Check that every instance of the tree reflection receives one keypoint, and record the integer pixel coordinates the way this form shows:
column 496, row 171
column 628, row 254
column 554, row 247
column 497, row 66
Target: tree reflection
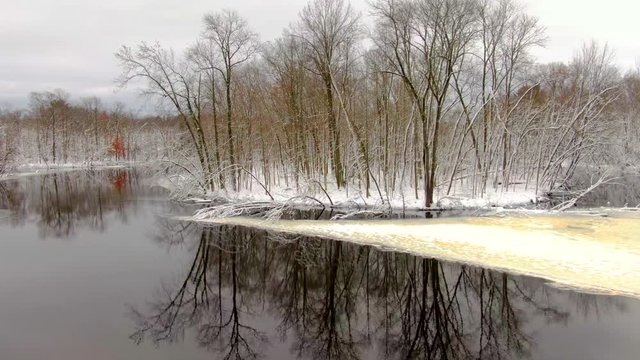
column 333, row 300
column 209, row 301
column 60, row 203
column 119, row 181
column 12, row 200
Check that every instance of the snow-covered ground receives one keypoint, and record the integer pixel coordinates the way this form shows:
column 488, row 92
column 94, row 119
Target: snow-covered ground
column 349, row 198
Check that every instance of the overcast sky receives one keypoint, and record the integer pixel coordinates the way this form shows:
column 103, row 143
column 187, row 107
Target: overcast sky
column 69, row 44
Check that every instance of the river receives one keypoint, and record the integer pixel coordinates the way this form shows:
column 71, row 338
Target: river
column 94, row 265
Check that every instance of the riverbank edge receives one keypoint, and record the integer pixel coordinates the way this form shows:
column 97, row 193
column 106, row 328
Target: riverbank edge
column 310, row 196
column 35, row 169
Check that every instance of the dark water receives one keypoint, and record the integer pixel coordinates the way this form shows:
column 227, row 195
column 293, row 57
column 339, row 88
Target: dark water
column 91, row 269
column 622, row 189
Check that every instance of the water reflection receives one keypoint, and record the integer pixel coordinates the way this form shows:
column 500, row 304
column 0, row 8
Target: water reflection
column 61, row 203
column 247, row 291
column 623, row 190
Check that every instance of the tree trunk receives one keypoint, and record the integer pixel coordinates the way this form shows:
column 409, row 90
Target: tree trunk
column 232, row 159
column 334, row 135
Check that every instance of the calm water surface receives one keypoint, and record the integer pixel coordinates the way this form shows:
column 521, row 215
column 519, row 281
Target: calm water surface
column 91, row 268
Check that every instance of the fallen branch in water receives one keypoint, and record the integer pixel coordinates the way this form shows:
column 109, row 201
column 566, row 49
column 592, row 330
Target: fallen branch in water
column 267, row 209
column 295, row 202
column 358, row 214
column 604, row 179
column 233, row 209
column 323, row 190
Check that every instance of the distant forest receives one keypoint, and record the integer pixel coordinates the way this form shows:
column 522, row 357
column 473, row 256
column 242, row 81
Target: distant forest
column 434, row 98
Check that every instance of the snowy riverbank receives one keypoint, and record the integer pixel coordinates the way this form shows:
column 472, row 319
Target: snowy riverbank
column 314, row 194
column 309, row 194
column 34, row 169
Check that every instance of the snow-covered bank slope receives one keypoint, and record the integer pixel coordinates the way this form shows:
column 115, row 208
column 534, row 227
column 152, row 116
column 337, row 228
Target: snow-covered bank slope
column 356, row 199
column 593, row 254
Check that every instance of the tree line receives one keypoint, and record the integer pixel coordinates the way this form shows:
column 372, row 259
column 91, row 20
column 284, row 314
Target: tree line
column 437, row 96
column 434, row 98
column 57, row 130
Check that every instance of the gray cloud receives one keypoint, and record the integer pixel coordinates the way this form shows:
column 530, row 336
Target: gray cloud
column 69, row 44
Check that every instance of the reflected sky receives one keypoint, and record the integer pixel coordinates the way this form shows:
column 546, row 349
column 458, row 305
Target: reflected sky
column 95, row 270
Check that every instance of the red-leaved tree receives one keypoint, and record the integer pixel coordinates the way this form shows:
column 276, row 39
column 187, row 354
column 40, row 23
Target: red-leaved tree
column 118, row 149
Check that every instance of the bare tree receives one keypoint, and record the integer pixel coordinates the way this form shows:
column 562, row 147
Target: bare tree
column 204, row 55
column 92, row 106
column 425, row 42
column 177, row 82
column 9, row 129
column 237, row 44
column 51, row 110
column 329, row 28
